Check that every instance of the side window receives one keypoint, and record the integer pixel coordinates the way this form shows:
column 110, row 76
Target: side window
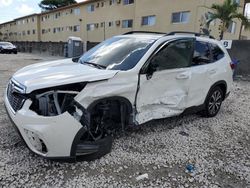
column 217, row 53
column 177, row 54
column 202, row 53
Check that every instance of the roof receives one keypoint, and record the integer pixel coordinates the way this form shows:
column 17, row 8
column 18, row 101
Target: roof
column 69, row 6
column 30, row 15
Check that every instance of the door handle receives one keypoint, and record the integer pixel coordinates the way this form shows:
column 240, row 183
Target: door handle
column 182, row 76
column 212, row 71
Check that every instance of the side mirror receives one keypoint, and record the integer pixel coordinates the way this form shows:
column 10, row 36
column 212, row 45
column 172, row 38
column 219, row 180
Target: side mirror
column 152, row 67
column 75, row 59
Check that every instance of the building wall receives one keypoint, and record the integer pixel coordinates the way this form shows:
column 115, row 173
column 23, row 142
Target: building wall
column 59, row 25
column 107, row 19
column 27, row 29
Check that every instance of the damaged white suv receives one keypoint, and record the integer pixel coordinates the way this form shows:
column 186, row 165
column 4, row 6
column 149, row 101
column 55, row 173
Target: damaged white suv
column 69, row 109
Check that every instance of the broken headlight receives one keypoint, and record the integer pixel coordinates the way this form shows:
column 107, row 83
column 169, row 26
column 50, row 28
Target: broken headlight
column 55, row 100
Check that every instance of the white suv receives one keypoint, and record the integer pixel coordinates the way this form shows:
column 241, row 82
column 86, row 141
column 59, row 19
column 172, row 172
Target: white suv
column 68, row 109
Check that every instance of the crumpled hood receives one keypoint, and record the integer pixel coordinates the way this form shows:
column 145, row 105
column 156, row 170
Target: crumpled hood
column 60, row 72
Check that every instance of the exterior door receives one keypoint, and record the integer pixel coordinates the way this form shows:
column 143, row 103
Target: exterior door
column 164, row 83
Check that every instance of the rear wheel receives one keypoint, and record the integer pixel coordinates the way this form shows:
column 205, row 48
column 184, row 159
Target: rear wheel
column 213, row 102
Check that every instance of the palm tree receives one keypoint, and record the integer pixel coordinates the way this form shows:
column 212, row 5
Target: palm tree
column 226, row 13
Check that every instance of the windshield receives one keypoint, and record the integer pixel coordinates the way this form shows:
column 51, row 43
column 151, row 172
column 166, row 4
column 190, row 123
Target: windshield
column 117, row 53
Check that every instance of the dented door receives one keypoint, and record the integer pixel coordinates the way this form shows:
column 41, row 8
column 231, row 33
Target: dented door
column 165, row 92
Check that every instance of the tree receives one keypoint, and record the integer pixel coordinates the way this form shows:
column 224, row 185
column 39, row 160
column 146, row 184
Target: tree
column 54, row 4
column 226, row 13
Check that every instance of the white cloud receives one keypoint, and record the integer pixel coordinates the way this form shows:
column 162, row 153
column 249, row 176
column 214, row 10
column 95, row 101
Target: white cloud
column 25, row 9
column 5, row 3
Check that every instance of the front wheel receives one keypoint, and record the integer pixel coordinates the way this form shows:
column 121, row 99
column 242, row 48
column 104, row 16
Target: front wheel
column 213, row 102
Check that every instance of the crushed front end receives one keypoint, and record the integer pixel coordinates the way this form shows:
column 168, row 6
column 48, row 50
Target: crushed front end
column 51, row 123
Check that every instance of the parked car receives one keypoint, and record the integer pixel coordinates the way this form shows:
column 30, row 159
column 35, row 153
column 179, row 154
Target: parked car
column 69, row 109
column 7, row 47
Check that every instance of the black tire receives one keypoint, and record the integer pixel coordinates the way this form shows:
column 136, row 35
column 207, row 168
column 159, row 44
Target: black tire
column 213, row 102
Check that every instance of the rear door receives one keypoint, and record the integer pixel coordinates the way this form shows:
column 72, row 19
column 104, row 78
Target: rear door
column 163, row 92
column 206, row 70
column 199, row 74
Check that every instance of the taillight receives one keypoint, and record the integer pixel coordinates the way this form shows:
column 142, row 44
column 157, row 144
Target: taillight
column 232, row 65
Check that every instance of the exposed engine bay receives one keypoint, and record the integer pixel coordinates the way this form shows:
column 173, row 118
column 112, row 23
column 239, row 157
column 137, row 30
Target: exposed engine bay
column 104, row 118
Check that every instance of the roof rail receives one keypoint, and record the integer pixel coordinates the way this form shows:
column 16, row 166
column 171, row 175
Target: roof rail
column 147, row 32
column 186, row 32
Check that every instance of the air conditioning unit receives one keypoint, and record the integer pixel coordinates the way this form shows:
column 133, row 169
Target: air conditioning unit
column 118, row 22
column 118, row 1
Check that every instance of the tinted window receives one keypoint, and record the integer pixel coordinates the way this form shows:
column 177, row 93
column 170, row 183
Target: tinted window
column 118, row 53
column 217, row 53
column 202, row 54
column 175, row 55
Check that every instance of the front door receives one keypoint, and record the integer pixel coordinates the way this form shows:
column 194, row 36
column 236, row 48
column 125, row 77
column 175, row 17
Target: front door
column 164, row 83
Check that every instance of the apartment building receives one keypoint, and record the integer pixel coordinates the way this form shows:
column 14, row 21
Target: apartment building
column 96, row 20
column 26, row 28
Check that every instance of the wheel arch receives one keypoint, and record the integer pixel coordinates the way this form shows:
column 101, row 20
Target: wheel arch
column 223, row 86
column 115, row 98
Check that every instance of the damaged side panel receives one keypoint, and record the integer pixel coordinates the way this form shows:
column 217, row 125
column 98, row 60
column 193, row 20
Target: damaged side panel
column 162, row 96
column 124, row 84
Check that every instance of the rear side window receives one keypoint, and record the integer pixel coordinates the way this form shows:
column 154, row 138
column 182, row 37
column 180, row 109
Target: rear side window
column 217, row 53
column 202, row 53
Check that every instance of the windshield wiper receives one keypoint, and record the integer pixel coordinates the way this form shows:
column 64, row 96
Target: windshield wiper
column 94, row 64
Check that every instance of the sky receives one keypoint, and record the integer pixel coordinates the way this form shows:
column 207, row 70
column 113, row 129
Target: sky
column 11, row 9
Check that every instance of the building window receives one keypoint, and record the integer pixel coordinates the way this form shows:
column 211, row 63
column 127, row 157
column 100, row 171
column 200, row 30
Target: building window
column 180, row 17
column 56, row 15
column 102, row 4
column 23, row 33
column 77, row 11
column 56, row 30
column 232, row 28
column 127, row 2
column 148, row 20
column 127, row 23
column 28, row 32
column 33, row 19
column 69, row 28
column 91, row 8
column 33, row 31
column 111, row 2
column 23, row 21
column 90, row 27
column 111, row 24
column 76, row 28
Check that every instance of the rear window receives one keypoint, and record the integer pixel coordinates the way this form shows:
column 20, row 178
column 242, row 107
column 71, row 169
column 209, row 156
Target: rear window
column 205, row 53
column 217, row 53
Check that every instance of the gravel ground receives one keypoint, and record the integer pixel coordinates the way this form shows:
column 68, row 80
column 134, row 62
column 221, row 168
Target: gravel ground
column 219, row 149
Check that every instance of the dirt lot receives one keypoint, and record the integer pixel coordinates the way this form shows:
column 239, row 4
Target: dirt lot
column 219, row 149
